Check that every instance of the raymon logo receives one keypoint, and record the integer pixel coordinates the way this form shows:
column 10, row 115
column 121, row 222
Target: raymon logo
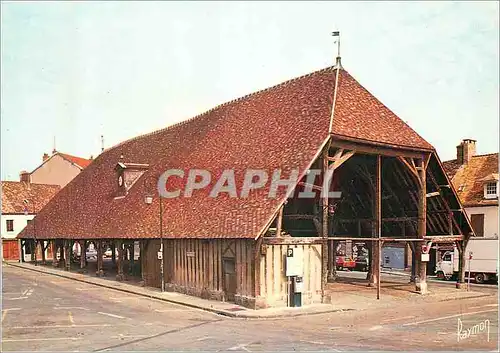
column 254, row 179
column 480, row 327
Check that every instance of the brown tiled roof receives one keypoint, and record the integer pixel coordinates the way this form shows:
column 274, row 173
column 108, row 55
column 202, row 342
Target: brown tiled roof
column 469, row 179
column 81, row 162
column 15, row 192
column 281, row 127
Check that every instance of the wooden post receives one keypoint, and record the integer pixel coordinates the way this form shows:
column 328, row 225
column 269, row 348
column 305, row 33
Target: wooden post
column 42, row 244
column 324, row 232
column 332, row 261
column 113, row 252
column 369, row 274
column 132, row 255
column 54, row 252
column 99, row 271
column 83, row 254
column 461, row 264
column 379, row 255
column 279, row 222
column 67, row 255
column 142, row 245
column 32, row 245
column 119, row 259
column 378, row 221
column 421, row 283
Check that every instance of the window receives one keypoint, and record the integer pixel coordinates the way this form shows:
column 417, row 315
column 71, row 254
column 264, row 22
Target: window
column 490, row 190
column 477, row 221
column 28, row 221
column 447, row 257
column 10, row 225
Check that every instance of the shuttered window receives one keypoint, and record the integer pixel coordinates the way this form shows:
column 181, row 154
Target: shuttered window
column 477, row 221
column 10, row 225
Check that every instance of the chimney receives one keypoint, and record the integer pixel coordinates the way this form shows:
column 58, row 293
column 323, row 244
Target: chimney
column 45, row 157
column 466, row 150
column 25, row 176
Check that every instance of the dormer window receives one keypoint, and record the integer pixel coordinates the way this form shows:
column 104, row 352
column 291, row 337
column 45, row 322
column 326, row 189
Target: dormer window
column 491, row 190
column 127, row 175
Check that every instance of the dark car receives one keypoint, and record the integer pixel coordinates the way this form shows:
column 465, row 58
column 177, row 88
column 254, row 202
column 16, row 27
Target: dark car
column 361, row 263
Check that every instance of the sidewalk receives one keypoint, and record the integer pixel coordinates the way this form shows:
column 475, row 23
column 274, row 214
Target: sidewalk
column 221, row 308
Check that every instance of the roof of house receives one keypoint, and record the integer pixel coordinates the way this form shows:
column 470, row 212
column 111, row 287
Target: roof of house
column 15, row 192
column 469, row 179
column 81, row 162
column 282, row 127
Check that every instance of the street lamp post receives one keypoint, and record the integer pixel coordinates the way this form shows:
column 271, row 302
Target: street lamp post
column 161, row 246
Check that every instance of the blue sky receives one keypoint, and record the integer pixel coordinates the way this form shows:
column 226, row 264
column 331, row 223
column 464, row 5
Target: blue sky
column 120, row 69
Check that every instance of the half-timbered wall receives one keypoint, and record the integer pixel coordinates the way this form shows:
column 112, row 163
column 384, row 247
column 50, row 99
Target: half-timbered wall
column 218, row 269
column 274, row 285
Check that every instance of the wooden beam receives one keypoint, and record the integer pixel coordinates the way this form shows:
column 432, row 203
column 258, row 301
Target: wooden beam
column 338, row 161
column 324, row 230
column 421, row 284
column 279, row 222
column 299, row 216
column 411, row 167
column 444, row 238
column 292, row 240
column 362, row 148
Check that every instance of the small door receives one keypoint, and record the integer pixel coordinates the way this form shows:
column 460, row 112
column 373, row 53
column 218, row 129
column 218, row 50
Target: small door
column 229, row 273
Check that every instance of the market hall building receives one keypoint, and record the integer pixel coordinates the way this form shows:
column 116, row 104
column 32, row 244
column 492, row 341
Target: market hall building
column 392, row 190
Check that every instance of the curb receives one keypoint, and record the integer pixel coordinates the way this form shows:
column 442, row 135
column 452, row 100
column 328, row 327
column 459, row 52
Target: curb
column 226, row 313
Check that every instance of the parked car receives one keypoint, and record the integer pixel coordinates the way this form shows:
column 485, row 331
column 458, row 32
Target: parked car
column 345, row 262
column 108, row 252
column 91, row 255
column 361, row 263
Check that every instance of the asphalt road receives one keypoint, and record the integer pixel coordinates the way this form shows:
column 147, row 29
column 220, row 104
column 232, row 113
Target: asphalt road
column 47, row 313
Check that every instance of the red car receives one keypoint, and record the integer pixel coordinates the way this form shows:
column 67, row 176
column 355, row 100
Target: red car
column 344, row 262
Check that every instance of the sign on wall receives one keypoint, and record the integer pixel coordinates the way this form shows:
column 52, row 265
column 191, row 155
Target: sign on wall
column 294, row 262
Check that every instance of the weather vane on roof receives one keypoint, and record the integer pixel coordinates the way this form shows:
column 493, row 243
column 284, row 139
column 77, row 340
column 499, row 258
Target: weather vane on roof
column 336, row 34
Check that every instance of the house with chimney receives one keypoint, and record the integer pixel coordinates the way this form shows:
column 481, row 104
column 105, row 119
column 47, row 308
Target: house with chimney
column 475, row 178
column 389, row 187
column 57, row 169
column 20, row 202
column 22, row 199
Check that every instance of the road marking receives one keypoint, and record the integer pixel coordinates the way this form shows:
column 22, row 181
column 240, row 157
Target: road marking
column 376, row 327
column 491, row 305
column 16, row 298
column 4, row 314
column 75, row 326
column 26, row 291
column 44, row 339
column 69, row 307
column 448, row 317
column 70, row 317
column 399, row 318
column 203, row 338
column 30, row 292
column 474, row 307
column 121, row 335
column 312, row 342
column 112, row 315
column 240, row 346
